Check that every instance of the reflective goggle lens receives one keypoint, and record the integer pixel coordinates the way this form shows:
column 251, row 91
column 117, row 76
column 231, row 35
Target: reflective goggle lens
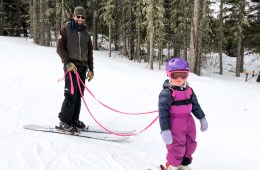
column 175, row 75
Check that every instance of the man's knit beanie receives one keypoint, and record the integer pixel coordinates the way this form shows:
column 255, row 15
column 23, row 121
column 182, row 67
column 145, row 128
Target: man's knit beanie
column 79, row 10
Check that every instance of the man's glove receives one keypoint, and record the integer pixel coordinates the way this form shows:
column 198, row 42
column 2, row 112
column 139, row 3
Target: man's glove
column 71, row 67
column 167, row 136
column 203, row 124
column 90, row 75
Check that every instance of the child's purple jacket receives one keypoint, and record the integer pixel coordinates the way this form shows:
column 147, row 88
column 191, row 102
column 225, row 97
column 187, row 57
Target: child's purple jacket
column 164, row 105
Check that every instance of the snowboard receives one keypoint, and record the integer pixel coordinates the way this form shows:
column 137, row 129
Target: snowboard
column 91, row 133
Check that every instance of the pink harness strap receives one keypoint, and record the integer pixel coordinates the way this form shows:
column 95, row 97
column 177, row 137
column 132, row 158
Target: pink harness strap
column 173, row 91
column 111, row 107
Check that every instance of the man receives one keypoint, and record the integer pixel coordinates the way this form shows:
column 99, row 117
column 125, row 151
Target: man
column 75, row 49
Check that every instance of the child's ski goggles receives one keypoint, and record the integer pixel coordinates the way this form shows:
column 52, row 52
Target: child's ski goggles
column 177, row 74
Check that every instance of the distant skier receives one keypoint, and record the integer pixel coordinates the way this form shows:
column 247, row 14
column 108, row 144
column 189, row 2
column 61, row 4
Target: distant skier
column 75, row 49
column 176, row 102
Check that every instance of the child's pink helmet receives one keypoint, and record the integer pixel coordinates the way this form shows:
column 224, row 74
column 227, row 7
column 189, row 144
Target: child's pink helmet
column 177, row 64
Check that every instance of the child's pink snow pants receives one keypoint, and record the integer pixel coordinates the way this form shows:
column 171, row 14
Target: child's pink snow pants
column 183, row 131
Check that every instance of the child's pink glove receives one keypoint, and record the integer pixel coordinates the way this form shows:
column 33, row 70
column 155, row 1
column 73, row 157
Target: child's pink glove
column 203, row 124
column 167, row 136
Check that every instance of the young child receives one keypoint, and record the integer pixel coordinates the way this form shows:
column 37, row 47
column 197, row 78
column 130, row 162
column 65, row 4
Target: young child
column 176, row 102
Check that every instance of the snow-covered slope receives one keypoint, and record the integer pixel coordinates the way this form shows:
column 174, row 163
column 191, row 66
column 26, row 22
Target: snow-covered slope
column 30, row 93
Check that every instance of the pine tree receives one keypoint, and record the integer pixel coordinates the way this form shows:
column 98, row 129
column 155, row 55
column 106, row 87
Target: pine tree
column 252, row 29
column 107, row 16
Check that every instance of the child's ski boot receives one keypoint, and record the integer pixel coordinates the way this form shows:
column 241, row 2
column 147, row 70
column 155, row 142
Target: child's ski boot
column 168, row 167
column 184, row 167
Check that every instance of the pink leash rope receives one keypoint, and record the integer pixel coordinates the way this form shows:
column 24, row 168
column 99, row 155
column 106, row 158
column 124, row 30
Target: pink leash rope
column 106, row 129
column 112, row 108
column 118, row 134
column 71, row 82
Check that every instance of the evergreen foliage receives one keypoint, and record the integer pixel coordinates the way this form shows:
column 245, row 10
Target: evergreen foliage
column 145, row 30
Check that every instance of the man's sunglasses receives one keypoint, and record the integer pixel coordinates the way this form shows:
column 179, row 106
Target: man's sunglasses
column 181, row 74
column 79, row 16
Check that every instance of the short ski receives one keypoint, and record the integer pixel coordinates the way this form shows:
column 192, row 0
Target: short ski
column 88, row 129
column 92, row 135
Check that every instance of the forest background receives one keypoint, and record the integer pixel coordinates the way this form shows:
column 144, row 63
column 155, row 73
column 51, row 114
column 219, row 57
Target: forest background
column 146, row 30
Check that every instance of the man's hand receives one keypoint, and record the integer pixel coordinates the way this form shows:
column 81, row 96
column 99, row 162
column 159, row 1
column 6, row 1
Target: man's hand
column 71, row 67
column 90, row 75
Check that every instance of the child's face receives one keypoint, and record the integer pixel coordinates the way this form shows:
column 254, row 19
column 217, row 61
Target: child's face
column 179, row 81
column 178, row 78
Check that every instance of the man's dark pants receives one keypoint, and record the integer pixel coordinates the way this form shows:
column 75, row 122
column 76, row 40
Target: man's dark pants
column 70, row 109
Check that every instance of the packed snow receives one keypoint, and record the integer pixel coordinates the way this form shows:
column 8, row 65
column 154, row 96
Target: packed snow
column 31, row 94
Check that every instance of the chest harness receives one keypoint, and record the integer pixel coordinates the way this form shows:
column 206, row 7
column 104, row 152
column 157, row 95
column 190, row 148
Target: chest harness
column 180, row 102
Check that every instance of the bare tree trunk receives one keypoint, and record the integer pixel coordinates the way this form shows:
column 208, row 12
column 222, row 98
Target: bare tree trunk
column 187, row 30
column 238, row 62
column 160, row 51
column 240, row 34
column 35, row 29
column 1, row 17
column 19, row 19
column 41, row 23
column 116, row 26
column 62, row 13
column 151, row 49
column 131, row 30
column 193, row 35
column 138, row 46
column 138, row 29
column 186, row 39
column 110, row 38
column 148, row 50
column 151, row 36
column 242, row 57
column 94, row 29
column 220, row 37
column 176, row 52
column 201, row 26
column 169, row 51
column 124, row 34
column 57, row 20
column 124, row 44
column 49, row 40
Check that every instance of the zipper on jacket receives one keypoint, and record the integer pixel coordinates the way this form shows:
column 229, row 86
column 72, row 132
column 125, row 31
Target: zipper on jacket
column 79, row 46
